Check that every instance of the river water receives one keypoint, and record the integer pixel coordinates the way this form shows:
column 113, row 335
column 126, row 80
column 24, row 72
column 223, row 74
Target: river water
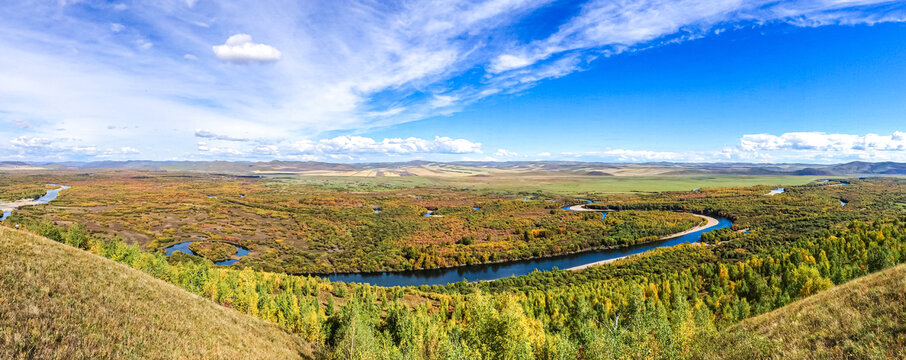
column 48, row 197
column 512, row 268
column 184, row 247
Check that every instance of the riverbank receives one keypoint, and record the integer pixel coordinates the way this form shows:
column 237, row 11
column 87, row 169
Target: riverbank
column 707, row 222
column 7, row 208
column 507, row 268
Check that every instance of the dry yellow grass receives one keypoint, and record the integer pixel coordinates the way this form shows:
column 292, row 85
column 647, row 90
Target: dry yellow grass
column 58, row 302
column 862, row 319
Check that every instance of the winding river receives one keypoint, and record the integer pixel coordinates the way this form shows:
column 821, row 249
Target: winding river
column 484, row 272
column 481, row 272
column 455, row 274
column 46, row 198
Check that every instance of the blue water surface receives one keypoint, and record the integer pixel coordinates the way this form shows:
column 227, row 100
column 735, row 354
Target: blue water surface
column 512, row 268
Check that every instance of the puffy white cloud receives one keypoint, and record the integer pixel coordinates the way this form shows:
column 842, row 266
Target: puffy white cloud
column 346, row 145
column 239, row 48
column 61, row 148
column 820, row 141
column 26, row 141
column 505, row 153
column 117, row 27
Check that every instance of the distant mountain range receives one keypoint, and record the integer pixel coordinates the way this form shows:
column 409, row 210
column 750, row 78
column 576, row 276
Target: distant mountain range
column 475, row 168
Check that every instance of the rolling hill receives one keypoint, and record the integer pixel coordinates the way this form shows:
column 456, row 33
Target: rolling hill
column 62, row 302
column 861, row 319
column 474, row 168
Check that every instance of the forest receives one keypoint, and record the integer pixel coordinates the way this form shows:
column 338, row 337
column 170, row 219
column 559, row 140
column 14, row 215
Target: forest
column 306, row 228
column 673, row 302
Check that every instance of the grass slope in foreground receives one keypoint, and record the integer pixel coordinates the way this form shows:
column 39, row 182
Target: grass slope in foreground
column 864, row 318
column 61, row 302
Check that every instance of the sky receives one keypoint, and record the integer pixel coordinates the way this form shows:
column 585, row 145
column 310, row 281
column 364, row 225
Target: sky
column 811, row 81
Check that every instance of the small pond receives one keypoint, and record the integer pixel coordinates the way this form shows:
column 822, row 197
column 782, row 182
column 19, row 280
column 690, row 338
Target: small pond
column 184, row 247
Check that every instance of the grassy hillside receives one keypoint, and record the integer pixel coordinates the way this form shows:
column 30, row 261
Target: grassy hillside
column 61, row 302
column 863, row 319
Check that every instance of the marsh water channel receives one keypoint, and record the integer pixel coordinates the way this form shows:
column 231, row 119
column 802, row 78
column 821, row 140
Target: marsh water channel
column 184, row 247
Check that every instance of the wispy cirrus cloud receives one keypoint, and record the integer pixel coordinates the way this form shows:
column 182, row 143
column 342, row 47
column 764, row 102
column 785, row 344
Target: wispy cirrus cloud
column 356, row 145
column 206, row 134
column 289, row 70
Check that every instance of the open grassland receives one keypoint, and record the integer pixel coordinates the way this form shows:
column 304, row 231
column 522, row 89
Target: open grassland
column 61, row 302
column 862, row 319
column 565, row 184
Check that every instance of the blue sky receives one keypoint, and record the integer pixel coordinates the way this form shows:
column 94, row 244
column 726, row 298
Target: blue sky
column 350, row 81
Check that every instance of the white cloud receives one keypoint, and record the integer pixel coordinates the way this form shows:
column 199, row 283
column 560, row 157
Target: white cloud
column 26, row 141
column 22, row 124
column 117, row 27
column 484, row 158
column 239, row 48
column 819, row 141
column 440, row 101
column 344, row 66
column 215, row 150
column 646, row 155
column 617, row 26
column 211, row 135
column 37, row 148
column 505, row 153
column 144, row 44
column 508, row 62
column 270, row 150
column 544, row 154
column 347, row 145
column 389, row 112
